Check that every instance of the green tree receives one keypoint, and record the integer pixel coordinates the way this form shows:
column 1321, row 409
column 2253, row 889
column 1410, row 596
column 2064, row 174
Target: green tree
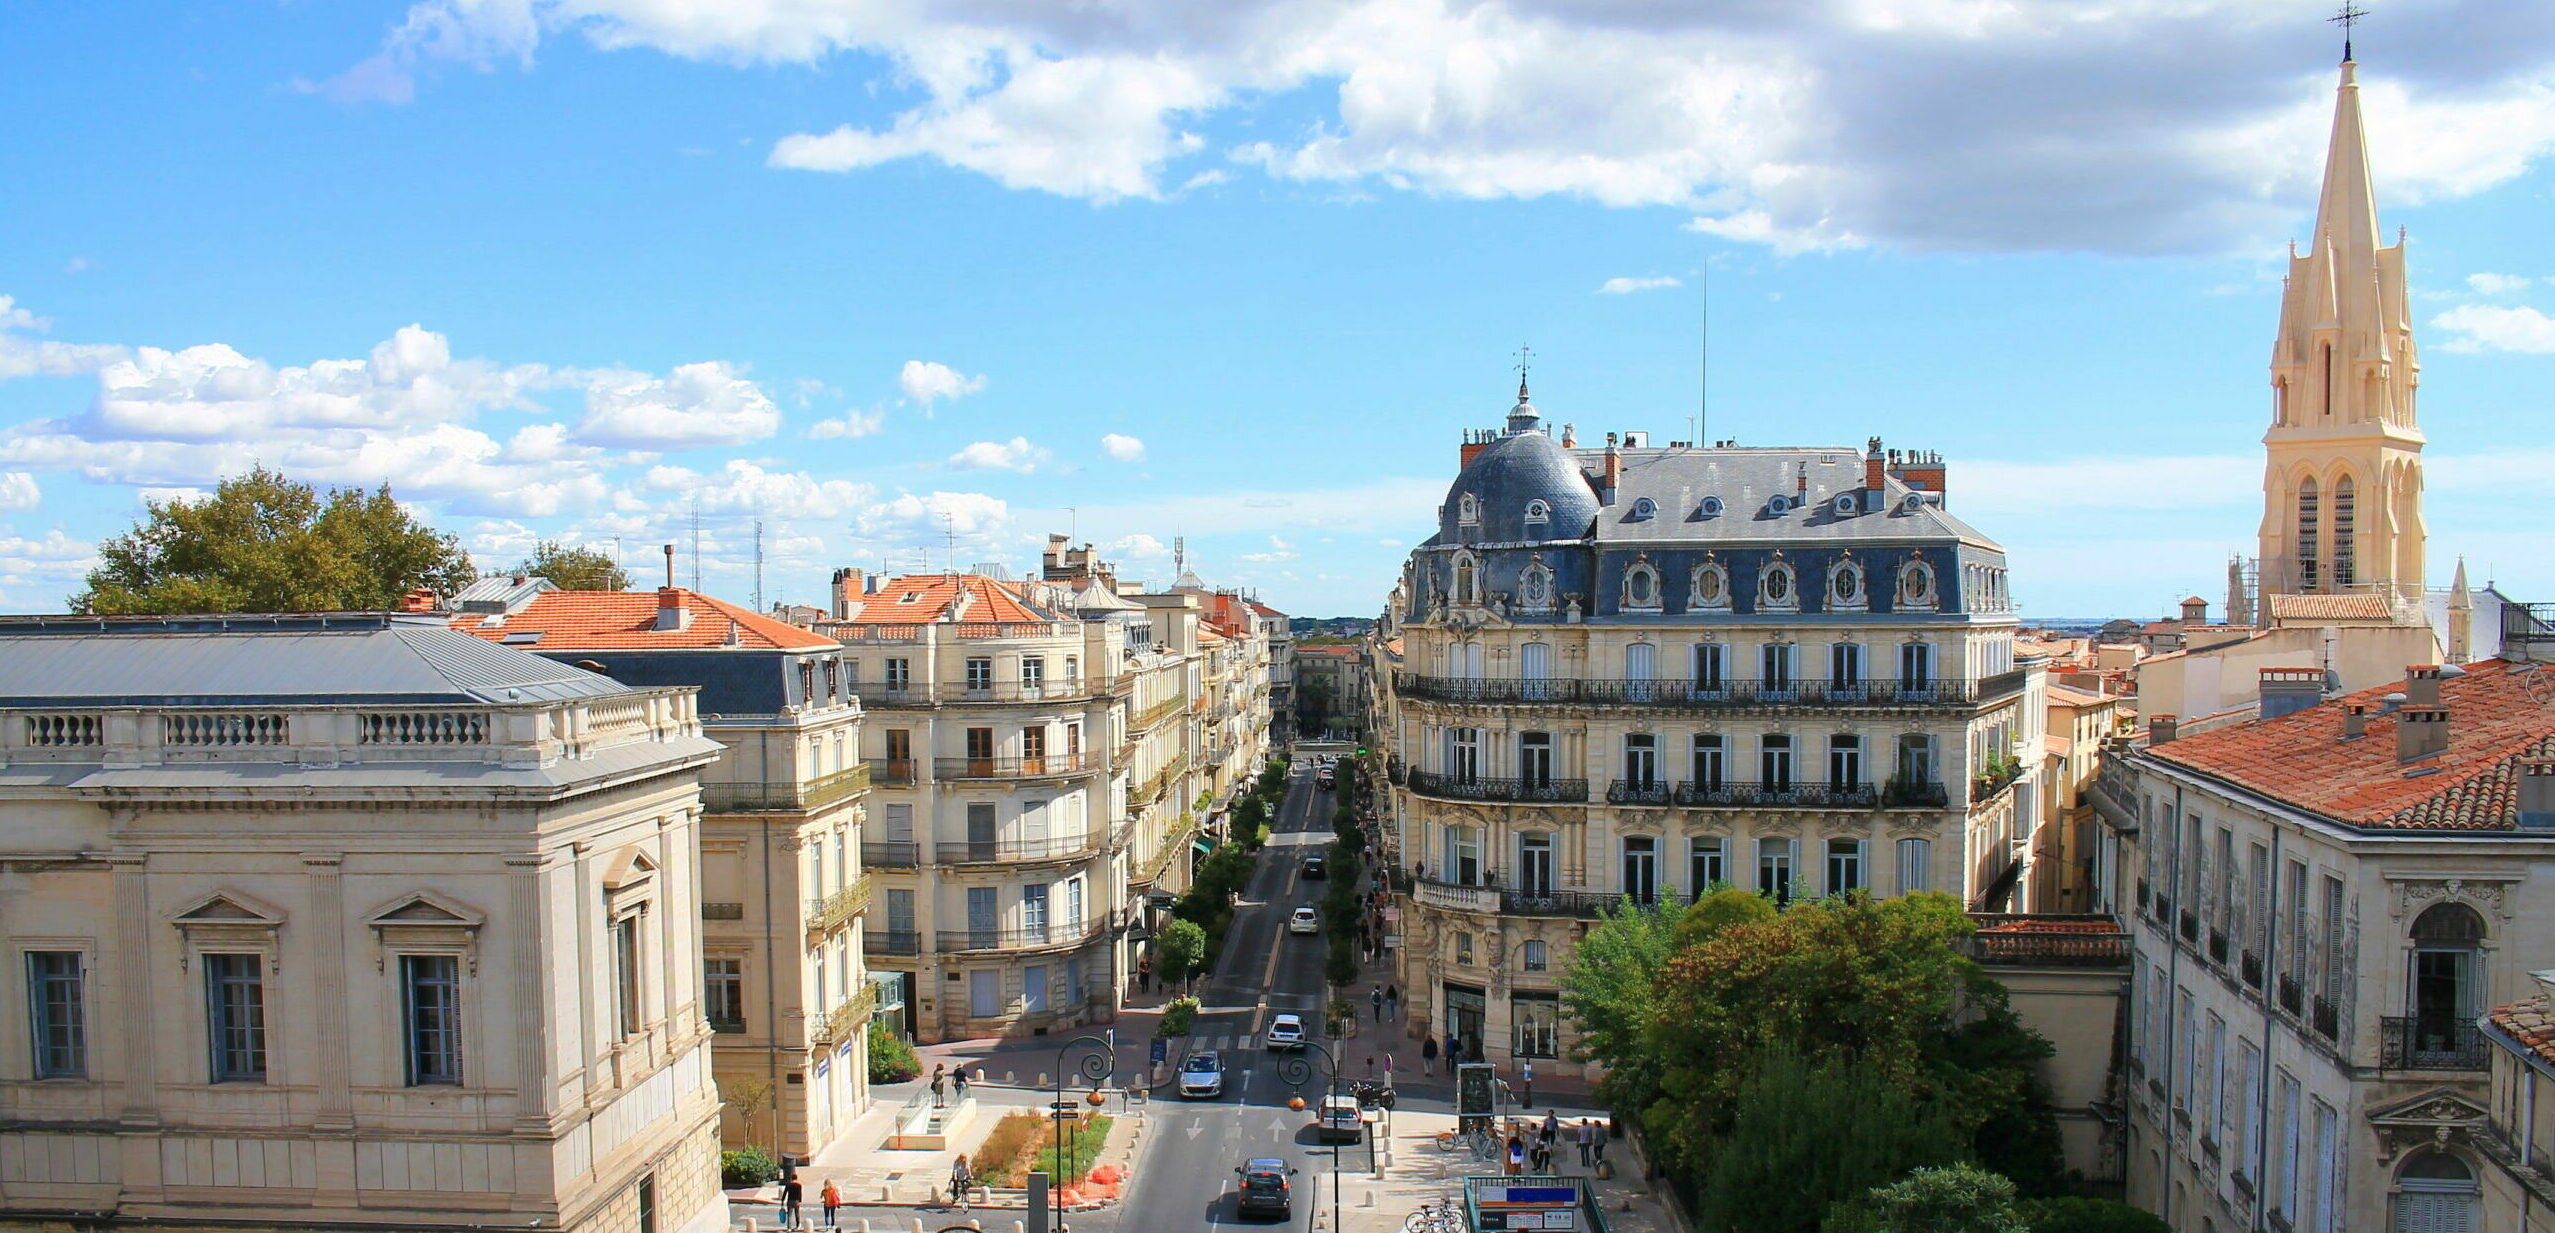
column 574, row 568
column 1961, row 1198
column 1183, row 947
column 1610, row 989
column 1810, row 1134
column 263, row 543
column 2072, row 1215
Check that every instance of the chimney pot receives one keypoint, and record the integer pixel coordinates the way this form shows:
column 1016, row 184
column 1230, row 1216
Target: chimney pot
column 669, row 565
column 2161, row 729
column 2355, row 723
column 2421, row 731
column 2422, row 685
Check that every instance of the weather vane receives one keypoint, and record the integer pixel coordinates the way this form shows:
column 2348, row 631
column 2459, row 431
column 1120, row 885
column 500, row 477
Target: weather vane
column 2349, row 16
column 1524, row 354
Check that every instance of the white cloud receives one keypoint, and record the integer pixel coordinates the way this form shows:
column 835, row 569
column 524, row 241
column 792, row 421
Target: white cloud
column 1278, row 550
column 18, row 490
column 928, row 382
column 709, row 403
column 150, row 495
column 13, row 317
column 2497, row 284
column 909, row 520
column 1122, row 447
column 851, row 424
column 2485, row 327
column 1016, row 454
column 2024, row 125
column 1138, row 547
column 21, row 356
column 747, row 488
column 1626, row 286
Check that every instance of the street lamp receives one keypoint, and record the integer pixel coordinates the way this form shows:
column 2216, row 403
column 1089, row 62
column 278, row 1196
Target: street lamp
column 1295, row 1070
column 1098, row 1063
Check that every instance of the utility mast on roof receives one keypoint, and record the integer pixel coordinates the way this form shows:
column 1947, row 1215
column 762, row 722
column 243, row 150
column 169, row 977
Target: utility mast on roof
column 758, row 565
column 696, row 543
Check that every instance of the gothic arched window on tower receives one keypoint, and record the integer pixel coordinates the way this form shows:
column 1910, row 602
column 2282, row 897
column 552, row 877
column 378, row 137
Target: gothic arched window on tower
column 2310, row 508
column 2345, row 498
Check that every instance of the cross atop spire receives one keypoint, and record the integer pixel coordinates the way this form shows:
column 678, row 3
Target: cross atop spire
column 1524, row 355
column 2349, row 16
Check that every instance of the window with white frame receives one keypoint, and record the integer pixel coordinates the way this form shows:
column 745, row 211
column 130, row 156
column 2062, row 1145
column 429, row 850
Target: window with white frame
column 1774, row 762
column 1533, row 955
column 1845, row 866
column 1707, row 864
column 1774, row 868
column 1774, row 666
column 1710, row 768
column 1845, row 761
column 1641, row 868
column 1916, row 862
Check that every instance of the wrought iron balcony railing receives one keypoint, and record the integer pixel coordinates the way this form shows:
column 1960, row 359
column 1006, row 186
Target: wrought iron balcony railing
column 1047, row 766
column 891, row 942
column 831, row 910
column 2421, row 1042
column 846, row 1018
column 1779, row 795
column 1686, row 694
column 786, row 794
column 1034, row 937
column 1486, row 788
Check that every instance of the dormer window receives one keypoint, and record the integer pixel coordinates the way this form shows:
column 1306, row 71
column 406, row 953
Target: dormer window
column 1467, row 588
column 1845, row 583
column 1537, row 511
column 1916, row 584
column 1709, row 586
column 1777, row 588
column 1709, row 507
column 1535, row 587
column 1468, row 510
column 1644, row 509
column 1641, row 586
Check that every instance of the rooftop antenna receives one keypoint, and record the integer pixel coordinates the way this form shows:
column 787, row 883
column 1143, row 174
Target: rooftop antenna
column 696, row 543
column 758, row 565
column 2349, row 16
column 949, row 535
column 1073, row 520
column 1703, row 350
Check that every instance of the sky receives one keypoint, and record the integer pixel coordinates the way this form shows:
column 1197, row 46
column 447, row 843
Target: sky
column 913, row 282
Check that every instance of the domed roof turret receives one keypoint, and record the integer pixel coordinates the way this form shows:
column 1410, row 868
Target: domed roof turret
column 1504, row 481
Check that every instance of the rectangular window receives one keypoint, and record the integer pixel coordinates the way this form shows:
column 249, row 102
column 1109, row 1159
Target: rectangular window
column 1464, row 753
column 900, row 823
column 2337, row 968
column 1033, row 913
column 1774, row 666
column 1711, row 670
column 625, row 970
column 2249, row 1083
column 1774, row 762
column 1033, row 675
column 983, row 832
column 1916, row 860
column 2297, row 918
column 2214, row 1113
column 984, row 993
column 1916, row 665
column 2284, row 1155
column 58, row 1007
column 235, row 1009
column 1641, row 760
column 723, row 991
column 1845, row 865
column 980, row 674
column 1845, row 761
column 900, row 753
column 984, row 919
column 1915, row 767
column 1706, row 865
column 1033, row 751
column 647, row 1204
column 1073, row 902
column 2223, row 887
column 1535, row 759
column 980, row 751
column 2258, row 903
column 2328, row 1171
column 900, row 675
column 432, row 992
column 1535, row 863
column 900, row 913
column 1641, row 868
column 1774, row 868
column 1711, row 767
column 1033, row 989
column 1845, row 664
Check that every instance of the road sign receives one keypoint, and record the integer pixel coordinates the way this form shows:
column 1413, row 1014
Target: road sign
column 1161, row 1050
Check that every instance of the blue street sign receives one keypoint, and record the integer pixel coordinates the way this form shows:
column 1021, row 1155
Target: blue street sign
column 1161, row 1050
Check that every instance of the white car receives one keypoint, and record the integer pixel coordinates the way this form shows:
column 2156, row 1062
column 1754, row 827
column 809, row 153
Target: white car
column 1303, row 921
column 1286, row 1032
column 1339, row 1120
column 1202, row 1076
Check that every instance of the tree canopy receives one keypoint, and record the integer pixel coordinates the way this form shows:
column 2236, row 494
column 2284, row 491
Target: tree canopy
column 265, row 543
column 574, row 568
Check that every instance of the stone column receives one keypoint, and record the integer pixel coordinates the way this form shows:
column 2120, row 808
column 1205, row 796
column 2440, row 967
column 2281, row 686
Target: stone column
column 334, row 1106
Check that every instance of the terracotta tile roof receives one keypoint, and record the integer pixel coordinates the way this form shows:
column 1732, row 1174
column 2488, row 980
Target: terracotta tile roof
column 916, row 599
column 2073, row 696
column 2301, row 759
column 2057, row 746
column 626, row 620
column 2330, row 608
column 2530, row 1024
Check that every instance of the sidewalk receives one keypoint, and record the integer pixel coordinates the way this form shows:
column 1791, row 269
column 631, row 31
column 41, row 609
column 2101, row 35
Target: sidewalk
column 1417, row 1171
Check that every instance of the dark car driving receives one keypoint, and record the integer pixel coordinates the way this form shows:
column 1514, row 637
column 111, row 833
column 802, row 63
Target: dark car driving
column 1316, row 867
column 1263, row 1189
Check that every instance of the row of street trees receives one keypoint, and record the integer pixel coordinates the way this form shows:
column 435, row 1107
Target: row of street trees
column 1787, row 1062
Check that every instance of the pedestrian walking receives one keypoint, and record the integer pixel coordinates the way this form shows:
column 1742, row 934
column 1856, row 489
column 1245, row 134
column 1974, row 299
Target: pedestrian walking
column 1525, row 1083
column 832, row 1197
column 961, row 1179
column 1454, row 1052
column 960, row 1077
column 1516, row 1156
column 1392, row 1001
column 1551, row 1129
column 940, row 1080
column 1428, row 1055
column 792, row 1194
column 1587, row 1143
column 1376, row 996
column 1598, row 1133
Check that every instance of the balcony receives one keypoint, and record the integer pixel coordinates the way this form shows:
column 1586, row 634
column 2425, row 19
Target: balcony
column 1985, row 788
column 2326, row 1017
column 2048, row 940
column 2421, row 1043
column 2249, row 966
column 789, row 795
column 1780, row 795
column 891, row 854
column 846, row 1018
column 2218, row 947
column 1019, row 851
column 1688, row 695
column 1480, row 788
column 1035, row 937
column 1157, row 712
column 2292, row 998
column 2190, row 927
column 891, row 942
column 1903, row 794
column 1638, row 792
column 718, row 1024
column 999, row 693
column 1490, row 899
column 825, row 913
column 896, row 771
column 1049, row 766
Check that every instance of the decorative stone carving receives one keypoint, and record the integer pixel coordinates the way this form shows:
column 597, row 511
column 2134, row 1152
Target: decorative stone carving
column 2411, row 895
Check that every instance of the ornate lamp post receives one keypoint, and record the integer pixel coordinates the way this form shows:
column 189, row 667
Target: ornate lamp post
column 1097, row 1063
column 1295, row 1070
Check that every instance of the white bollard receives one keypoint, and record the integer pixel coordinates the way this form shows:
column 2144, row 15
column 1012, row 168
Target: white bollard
column 887, row 1192
column 1006, row 1076
column 752, row 1225
column 918, row 1225
column 1367, row 1199
column 1018, row 1227
column 864, row 1224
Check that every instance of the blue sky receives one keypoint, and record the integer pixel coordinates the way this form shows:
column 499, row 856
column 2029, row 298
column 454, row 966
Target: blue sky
column 878, row 270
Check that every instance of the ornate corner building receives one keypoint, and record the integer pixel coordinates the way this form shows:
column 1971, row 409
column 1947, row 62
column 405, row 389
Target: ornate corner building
column 1638, row 671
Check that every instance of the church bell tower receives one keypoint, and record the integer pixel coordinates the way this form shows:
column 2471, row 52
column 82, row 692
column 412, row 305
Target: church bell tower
column 2342, row 482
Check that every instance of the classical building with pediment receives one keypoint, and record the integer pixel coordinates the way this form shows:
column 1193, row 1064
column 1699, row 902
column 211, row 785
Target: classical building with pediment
column 346, row 922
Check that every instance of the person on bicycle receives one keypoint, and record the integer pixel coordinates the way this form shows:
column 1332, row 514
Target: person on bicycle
column 961, row 1180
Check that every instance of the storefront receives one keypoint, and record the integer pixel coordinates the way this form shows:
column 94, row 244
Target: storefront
column 1466, row 1010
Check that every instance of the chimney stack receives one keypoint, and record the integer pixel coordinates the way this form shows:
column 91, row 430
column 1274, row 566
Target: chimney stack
column 2537, row 796
column 2421, row 731
column 2355, row 722
column 1614, row 468
column 847, row 591
column 2161, row 729
column 670, row 612
column 2422, row 685
column 1874, row 472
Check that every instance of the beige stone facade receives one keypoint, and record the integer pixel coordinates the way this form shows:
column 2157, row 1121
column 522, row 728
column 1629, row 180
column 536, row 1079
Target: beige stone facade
column 347, row 922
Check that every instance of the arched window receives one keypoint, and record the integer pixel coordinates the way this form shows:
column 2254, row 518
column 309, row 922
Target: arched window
column 1845, row 582
column 1776, row 585
column 1538, row 512
column 2345, row 497
column 1535, row 587
column 2309, row 507
column 1708, row 586
column 1467, row 583
column 2448, row 978
column 1468, row 510
column 2435, row 1191
column 1641, row 586
column 1916, row 585
column 1644, row 509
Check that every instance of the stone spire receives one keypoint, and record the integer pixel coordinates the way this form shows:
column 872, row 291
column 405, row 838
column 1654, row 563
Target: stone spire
column 2461, row 618
column 2342, row 482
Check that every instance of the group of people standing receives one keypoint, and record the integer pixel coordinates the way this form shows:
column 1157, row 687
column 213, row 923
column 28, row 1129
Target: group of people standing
column 1538, row 1154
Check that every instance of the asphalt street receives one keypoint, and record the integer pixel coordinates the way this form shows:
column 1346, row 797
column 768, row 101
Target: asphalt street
column 1184, row 1176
